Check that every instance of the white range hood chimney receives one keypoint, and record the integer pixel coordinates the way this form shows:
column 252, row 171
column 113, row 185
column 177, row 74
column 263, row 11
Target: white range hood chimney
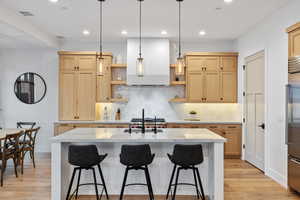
column 156, row 54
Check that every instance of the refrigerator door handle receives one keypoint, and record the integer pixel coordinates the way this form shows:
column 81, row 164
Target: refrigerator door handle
column 287, row 114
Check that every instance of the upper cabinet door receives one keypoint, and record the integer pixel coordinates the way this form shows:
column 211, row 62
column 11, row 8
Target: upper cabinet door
column 68, row 63
column 212, row 63
column 294, row 43
column 228, row 87
column 212, row 87
column 67, row 96
column 86, row 95
column 195, row 87
column 228, row 63
column 195, row 63
column 86, row 63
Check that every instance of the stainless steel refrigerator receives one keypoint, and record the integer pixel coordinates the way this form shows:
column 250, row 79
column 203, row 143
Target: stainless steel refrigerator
column 293, row 135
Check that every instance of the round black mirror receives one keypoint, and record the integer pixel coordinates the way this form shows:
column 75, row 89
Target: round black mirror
column 30, row 88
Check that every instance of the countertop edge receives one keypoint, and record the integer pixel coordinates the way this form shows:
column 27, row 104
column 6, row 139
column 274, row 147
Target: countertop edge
column 168, row 122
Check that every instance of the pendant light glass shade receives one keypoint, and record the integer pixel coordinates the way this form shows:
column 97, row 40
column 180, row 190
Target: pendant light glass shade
column 180, row 65
column 140, row 67
column 100, row 66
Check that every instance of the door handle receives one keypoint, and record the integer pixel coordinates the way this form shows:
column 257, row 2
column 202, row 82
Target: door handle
column 263, row 126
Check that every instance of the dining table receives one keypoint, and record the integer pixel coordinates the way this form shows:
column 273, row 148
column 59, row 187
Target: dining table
column 9, row 131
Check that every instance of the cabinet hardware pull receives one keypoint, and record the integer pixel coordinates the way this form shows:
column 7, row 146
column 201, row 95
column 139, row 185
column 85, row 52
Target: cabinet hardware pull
column 231, row 126
column 221, row 98
column 212, row 127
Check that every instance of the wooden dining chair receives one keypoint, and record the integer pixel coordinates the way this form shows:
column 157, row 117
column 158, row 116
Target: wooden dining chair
column 29, row 125
column 27, row 144
column 9, row 150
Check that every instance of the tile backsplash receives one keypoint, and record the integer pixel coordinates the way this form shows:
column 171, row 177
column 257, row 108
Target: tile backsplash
column 155, row 101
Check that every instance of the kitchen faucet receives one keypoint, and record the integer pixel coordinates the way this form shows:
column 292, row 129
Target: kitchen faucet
column 143, row 121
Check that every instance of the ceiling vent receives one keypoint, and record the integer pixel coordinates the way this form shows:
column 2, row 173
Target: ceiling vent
column 26, row 13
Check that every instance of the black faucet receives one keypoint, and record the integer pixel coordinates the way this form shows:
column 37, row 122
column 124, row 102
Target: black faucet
column 143, row 121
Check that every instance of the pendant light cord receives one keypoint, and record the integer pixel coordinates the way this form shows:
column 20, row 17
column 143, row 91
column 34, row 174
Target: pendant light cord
column 179, row 40
column 101, row 26
column 140, row 49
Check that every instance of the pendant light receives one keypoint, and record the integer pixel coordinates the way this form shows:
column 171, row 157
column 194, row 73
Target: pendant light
column 100, row 70
column 139, row 63
column 179, row 70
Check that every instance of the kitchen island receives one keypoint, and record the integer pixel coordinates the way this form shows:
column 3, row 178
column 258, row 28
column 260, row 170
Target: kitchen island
column 110, row 140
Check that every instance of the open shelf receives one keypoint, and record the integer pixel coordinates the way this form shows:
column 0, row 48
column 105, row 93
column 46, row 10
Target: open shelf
column 119, row 65
column 114, row 100
column 118, row 82
column 178, row 83
column 178, row 100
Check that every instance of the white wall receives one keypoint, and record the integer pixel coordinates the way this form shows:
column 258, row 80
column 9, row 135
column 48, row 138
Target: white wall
column 270, row 36
column 14, row 62
column 44, row 62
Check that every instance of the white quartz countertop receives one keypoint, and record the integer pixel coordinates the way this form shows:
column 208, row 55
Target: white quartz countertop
column 117, row 135
column 167, row 121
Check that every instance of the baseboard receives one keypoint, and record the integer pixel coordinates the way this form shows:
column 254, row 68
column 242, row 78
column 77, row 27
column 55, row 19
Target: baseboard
column 282, row 180
column 138, row 197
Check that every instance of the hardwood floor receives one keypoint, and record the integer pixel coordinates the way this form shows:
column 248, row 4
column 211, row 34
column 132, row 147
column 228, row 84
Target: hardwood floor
column 242, row 182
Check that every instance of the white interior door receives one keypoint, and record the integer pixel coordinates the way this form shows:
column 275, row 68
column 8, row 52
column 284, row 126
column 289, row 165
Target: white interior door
column 255, row 110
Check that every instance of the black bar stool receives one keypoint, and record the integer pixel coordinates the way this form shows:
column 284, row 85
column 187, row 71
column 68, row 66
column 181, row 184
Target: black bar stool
column 186, row 157
column 85, row 157
column 137, row 157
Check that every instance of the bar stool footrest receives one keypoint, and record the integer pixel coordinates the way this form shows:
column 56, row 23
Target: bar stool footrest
column 136, row 184
column 86, row 184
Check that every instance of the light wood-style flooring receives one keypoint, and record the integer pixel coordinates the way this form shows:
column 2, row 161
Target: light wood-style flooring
column 242, row 182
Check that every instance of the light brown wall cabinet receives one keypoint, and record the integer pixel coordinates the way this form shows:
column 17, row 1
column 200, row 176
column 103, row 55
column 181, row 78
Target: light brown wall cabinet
column 294, row 40
column 77, row 87
column 211, row 77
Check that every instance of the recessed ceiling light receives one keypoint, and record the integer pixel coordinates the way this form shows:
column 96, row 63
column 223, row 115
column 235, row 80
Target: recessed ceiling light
column 53, row 1
column 228, row 1
column 124, row 32
column 202, row 33
column 86, row 32
column 164, row 32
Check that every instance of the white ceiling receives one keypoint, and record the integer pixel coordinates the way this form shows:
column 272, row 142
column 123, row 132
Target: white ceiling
column 11, row 37
column 69, row 17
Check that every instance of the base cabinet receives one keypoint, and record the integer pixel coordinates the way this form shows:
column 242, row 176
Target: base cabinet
column 232, row 132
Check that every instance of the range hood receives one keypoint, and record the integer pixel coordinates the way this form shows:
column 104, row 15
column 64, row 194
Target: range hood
column 156, row 54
